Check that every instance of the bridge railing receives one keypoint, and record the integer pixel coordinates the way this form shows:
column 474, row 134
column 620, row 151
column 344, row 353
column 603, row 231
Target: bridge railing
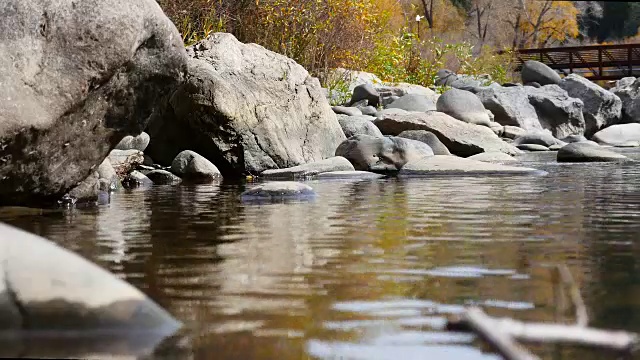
column 598, row 62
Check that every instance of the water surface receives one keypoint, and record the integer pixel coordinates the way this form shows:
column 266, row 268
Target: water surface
column 370, row 269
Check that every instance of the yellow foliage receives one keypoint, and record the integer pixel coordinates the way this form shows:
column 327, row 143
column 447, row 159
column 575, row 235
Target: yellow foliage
column 548, row 21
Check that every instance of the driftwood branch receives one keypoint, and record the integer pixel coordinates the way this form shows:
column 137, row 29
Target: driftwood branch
column 502, row 342
column 551, row 333
column 501, row 334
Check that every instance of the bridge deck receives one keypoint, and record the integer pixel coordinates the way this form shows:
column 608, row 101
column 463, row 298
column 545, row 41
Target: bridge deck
column 595, row 62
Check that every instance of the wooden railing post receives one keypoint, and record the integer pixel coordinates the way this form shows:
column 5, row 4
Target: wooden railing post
column 630, row 60
column 600, row 62
column 570, row 62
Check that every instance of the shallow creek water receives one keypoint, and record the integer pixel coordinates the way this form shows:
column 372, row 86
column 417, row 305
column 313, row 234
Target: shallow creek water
column 370, row 269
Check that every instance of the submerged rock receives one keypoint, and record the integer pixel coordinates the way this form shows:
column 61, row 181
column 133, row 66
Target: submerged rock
column 453, row 165
column 387, row 154
column 76, row 77
column 44, row 287
column 278, row 191
column 163, row 177
column 336, row 163
column 586, row 152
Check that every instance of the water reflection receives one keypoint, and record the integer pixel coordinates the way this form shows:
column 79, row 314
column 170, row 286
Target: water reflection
column 370, row 269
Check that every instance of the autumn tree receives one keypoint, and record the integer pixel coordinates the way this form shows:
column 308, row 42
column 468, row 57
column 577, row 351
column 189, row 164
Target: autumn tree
column 540, row 23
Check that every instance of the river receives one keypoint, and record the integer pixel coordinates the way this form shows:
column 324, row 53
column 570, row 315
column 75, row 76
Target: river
column 369, row 269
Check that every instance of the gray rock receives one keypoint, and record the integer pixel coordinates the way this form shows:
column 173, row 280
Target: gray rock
column 368, row 110
column 346, row 110
column 354, row 125
column 452, row 165
column 401, row 89
column 192, row 166
column 445, row 77
column 87, row 190
column 463, row 105
column 585, row 152
column 247, row 109
column 44, row 287
column 510, row 106
column 557, row 112
column 75, row 80
column 460, row 138
column 136, row 179
column 163, row 177
column 555, row 147
column 533, row 84
column 365, row 92
column 380, row 114
column 123, row 161
column 138, row 142
column 496, row 128
column 107, row 173
column 618, row 135
column 535, row 71
column 532, row 147
column 601, row 107
column 354, row 78
column 629, row 93
column 336, row 163
column 539, row 138
column 413, row 102
column 493, row 157
column 148, row 161
column 343, row 175
column 388, row 154
column 512, row 132
column 428, row 138
column 386, row 101
column 574, row 138
column 276, row 191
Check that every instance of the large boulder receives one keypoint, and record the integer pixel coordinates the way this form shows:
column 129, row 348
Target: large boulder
column 428, row 138
column 460, row 138
column 463, row 105
column 336, row 163
column 387, row 154
column 246, row 109
column 45, row 288
column 77, row 76
column 619, row 135
column 628, row 90
column 535, row 71
column 601, row 107
column 533, row 109
column 439, row 165
column 586, row 152
column 557, row 111
column 402, row 89
column 413, row 102
column 510, row 106
column 354, row 125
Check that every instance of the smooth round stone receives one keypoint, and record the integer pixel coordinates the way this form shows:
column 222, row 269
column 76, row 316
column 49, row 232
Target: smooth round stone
column 193, row 166
column 555, row 147
column 492, row 157
column 278, row 191
column 139, row 142
column 345, row 110
column 365, row 175
column 532, row 147
column 585, row 152
column 452, row 165
column 163, row 177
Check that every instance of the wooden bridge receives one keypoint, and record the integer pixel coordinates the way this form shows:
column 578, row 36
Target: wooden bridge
column 595, row 62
